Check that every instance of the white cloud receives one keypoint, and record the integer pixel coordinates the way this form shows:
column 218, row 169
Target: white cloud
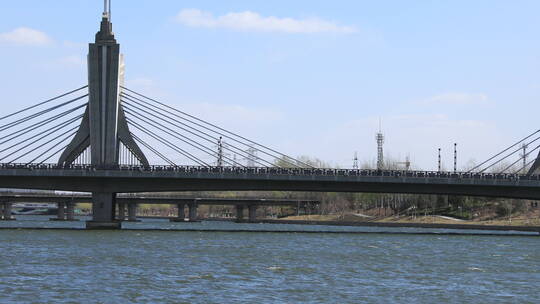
column 456, row 99
column 25, row 36
column 251, row 21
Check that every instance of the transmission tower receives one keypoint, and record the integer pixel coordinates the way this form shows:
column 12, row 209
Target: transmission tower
column 379, row 137
column 355, row 161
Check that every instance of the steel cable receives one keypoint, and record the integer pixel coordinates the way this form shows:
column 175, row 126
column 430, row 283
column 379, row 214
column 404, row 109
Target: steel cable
column 53, row 130
column 480, row 165
column 212, row 140
column 30, row 117
column 221, row 129
column 219, row 133
column 30, row 128
column 54, row 145
column 508, row 155
column 42, row 103
column 168, row 130
column 153, row 150
column 57, row 151
column 170, row 145
column 502, row 171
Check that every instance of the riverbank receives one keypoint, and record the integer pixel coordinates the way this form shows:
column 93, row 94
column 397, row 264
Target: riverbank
column 525, row 219
column 405, row 225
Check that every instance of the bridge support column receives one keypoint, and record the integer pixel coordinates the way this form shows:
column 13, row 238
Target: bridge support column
column 181, row 214
column 252, row 211
column 60, row 212
column 103, row 205
column 239, row 213
column 121, row 211
column 6, row 212
column 70, row 212
column 132, row 212
column 193, row 212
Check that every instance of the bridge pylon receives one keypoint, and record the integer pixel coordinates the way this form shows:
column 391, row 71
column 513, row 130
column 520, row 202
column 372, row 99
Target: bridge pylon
column 104, row 125
column 535, row 167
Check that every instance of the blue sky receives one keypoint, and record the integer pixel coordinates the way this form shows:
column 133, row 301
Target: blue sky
column 306, row 77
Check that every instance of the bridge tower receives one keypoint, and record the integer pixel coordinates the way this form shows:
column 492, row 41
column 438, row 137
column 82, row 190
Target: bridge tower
column 104, row 125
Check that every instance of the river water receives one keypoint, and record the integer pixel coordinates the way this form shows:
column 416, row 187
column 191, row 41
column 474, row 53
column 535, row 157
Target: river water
column 141, row 266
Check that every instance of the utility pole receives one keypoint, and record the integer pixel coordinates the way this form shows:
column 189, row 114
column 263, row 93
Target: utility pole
column 220, row 152
column 439, row 167
column 455, row 157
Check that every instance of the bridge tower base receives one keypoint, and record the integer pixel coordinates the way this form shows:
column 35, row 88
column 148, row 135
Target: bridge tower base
column 103, row 210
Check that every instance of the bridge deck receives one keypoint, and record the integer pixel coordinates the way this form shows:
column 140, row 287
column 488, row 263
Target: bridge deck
column 163, row 178
column 157, row 200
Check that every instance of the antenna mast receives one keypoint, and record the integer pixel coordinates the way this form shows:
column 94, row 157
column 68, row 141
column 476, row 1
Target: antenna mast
column 107, row 9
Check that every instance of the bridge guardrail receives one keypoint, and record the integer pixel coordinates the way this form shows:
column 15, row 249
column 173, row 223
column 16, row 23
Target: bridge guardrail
column 281, row 171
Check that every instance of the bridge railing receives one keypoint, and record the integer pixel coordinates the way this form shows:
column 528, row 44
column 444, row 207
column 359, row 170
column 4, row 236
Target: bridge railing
column 280, row 171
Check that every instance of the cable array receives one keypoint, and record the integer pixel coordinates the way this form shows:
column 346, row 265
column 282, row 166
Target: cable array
column 194, row 140
column 39, row 133
column 511, row 152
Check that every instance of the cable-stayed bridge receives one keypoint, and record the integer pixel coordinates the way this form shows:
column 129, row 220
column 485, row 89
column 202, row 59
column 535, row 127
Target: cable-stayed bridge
column 105, row 138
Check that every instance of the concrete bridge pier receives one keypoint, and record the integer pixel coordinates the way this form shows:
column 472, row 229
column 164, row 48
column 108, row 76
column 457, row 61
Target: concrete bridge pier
column 193, row 212
column 60, row 212
column 103, row 211
column 70, row 212
column 6, row 212
column 132, row 212
column 239, row 213
column 121, row 211
column 252, row 212
column 181, row 214
column 65, row 212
